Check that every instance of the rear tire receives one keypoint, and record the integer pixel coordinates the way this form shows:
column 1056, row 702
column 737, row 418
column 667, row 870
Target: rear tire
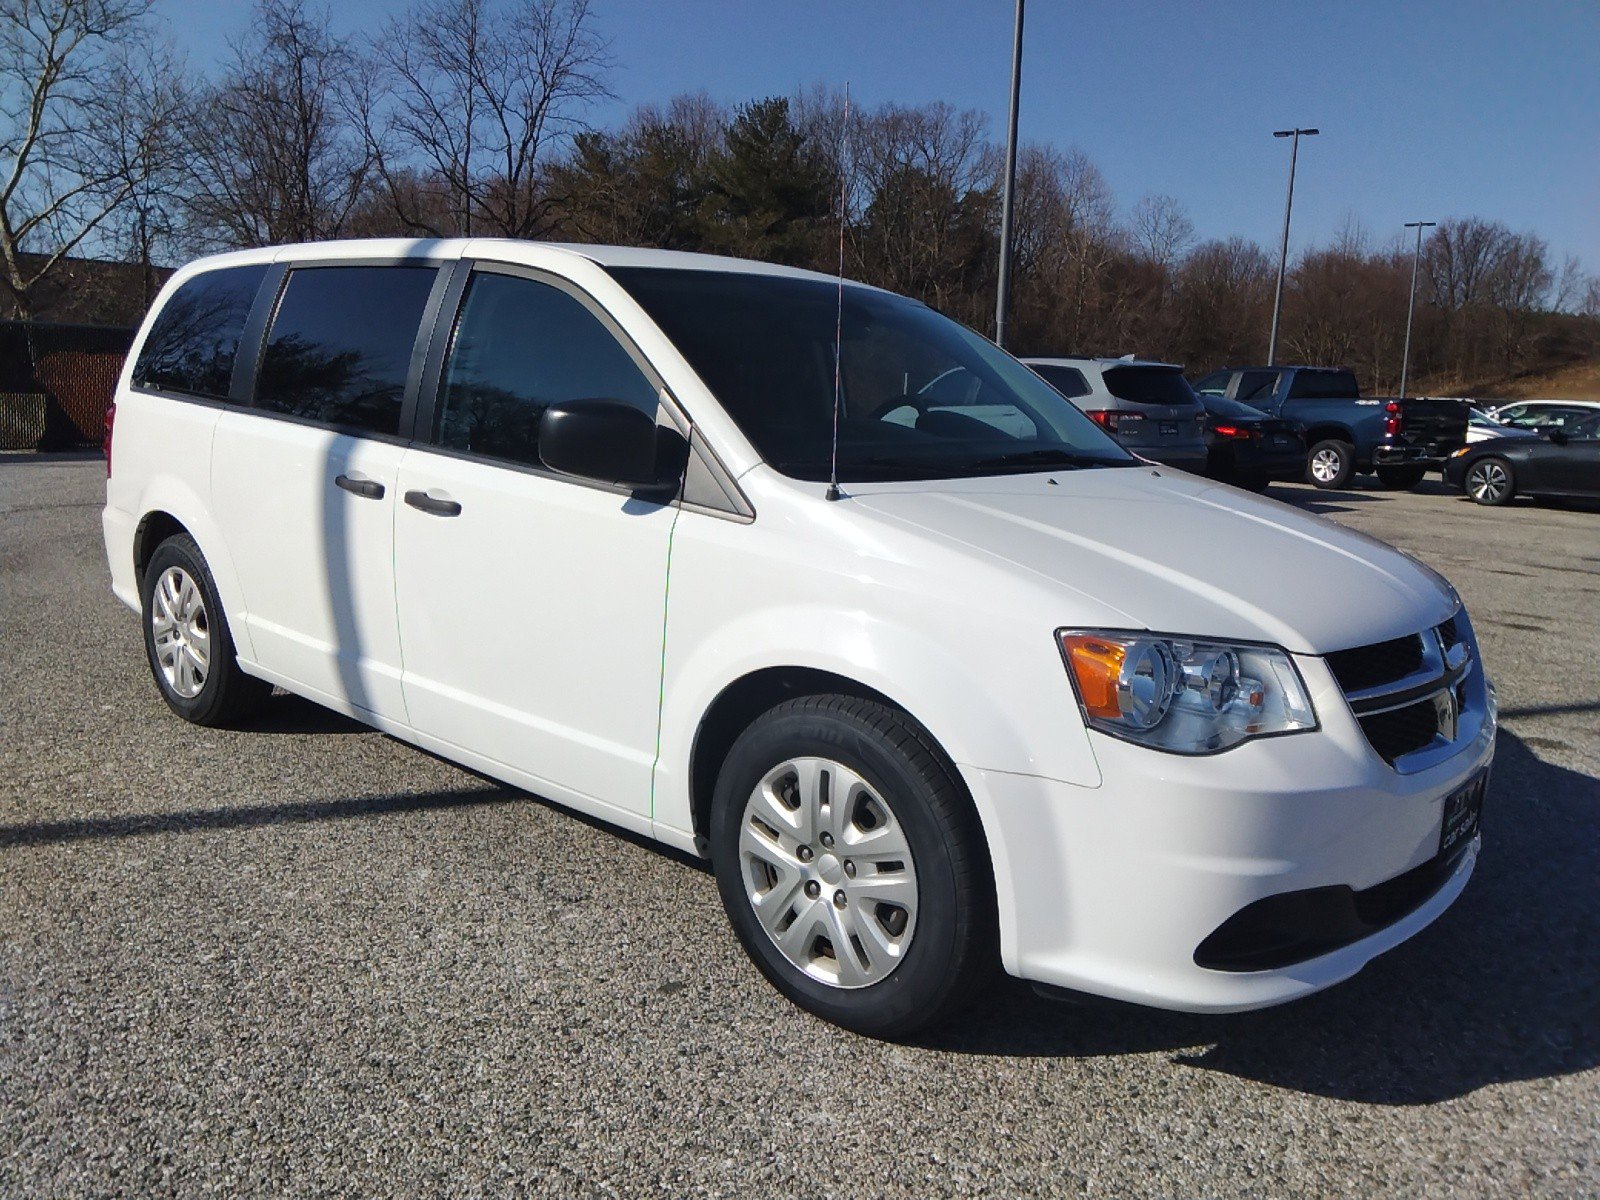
column 187, row 640
column 875, row 912
column 1330, row 464
column 1490, row 481
column 1401, row 478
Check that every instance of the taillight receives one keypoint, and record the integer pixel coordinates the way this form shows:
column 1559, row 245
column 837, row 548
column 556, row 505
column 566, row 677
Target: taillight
column 1106, row 418
column 1234, row 431
column 105, row 443
column 1394, row 421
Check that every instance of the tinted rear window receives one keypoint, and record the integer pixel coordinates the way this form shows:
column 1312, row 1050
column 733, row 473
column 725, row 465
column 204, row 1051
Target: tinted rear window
column 195, row 337
column 1323, row 385
column 1069, row 381
column 340, row 346
column 1149, row 385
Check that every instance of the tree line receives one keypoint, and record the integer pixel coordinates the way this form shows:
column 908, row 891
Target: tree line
column 469, row 117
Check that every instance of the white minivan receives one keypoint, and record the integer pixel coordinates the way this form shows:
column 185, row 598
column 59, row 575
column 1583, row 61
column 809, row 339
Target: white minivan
column 1004, row 695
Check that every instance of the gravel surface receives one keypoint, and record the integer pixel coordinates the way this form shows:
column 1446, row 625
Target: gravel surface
column 308, row 959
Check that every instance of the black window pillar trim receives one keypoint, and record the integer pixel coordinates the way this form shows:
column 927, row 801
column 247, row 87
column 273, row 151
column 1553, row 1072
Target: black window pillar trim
column 253, row 340
column 444, row 308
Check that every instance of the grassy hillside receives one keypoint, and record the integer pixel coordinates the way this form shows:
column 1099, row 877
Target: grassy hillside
column 1575, row 381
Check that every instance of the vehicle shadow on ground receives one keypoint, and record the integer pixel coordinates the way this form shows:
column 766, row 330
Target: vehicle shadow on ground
column 1505, row 986
column 201, row 820
column 288, row 713
column 1334, row 500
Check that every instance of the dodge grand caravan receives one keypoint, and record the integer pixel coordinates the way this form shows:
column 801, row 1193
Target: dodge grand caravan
column 1006, row 694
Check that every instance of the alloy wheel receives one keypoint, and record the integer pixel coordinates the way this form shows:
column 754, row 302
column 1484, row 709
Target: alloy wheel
column 828, row 872
column 1487, row 482
column 181, row 632
column 1325, row 465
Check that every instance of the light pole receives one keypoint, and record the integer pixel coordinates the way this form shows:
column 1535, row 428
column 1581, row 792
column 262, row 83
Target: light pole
column 1411, row 304
column 1002, row 300
column 1283, row 249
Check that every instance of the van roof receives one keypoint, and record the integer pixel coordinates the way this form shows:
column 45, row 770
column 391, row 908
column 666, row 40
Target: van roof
column 506, row 249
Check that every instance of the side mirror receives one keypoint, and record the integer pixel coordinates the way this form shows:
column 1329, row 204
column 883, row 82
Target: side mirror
column 1557, row 435
column 608, row 441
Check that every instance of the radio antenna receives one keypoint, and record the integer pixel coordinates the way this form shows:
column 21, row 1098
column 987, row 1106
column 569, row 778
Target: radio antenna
column 838, row 316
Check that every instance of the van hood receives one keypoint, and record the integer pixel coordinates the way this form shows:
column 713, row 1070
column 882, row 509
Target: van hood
column 1179, row 554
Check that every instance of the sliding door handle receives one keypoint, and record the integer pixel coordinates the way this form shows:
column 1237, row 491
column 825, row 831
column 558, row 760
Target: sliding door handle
column 370, row 488
column 428, row 504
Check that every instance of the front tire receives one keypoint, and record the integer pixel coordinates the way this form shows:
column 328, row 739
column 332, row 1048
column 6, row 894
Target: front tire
column 852, row 866
column 1400, row 479
column 1490, row 481
column 187, row 640
column 1330, row 464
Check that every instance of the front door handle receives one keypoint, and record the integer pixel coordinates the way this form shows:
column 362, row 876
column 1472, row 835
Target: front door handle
column 428, row 504
column 370, row 488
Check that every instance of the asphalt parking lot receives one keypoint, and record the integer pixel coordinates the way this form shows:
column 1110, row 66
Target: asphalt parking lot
column 308, row 958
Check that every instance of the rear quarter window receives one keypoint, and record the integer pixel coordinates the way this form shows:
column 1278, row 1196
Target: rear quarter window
column 1069, row 381
column 194, row 339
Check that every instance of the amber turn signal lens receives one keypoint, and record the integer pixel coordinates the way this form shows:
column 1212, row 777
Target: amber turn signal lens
column 1097, row 666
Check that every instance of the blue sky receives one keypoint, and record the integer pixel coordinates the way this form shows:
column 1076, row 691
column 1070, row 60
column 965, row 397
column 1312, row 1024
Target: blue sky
column 1428, row 108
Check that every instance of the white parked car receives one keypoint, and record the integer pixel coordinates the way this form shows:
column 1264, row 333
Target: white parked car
column 1541, row 414
column 562, row 514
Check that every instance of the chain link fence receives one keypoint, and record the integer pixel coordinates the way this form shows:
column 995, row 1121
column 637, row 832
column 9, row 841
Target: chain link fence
column 56, row 382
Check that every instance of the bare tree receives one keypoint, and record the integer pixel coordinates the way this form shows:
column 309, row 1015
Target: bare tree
column 1460, row 255
column 469, row 100
column 1569, row 287
column 924, row 178
column 144, row 140
column 275, row 156
column 74, row 145
column 1161, row 230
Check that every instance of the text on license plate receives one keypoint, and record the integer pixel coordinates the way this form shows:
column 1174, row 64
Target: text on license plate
column 1463, row 813
column 1169, row 428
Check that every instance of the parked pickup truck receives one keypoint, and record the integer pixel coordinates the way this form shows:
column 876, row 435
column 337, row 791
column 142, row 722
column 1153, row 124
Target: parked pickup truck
column 1347, row 433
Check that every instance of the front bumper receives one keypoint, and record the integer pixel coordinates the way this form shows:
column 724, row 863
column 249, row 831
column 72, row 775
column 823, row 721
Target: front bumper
column 1112, row 890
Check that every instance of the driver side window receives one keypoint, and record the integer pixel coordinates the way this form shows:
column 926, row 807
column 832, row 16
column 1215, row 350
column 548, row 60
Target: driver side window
column 521, row 345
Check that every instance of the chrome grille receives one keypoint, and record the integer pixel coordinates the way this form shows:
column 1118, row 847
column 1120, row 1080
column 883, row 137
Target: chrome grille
column 1380, row 663
column 1407, row 693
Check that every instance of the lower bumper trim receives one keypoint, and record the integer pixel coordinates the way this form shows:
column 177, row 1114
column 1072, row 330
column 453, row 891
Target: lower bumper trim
column 1291, row 927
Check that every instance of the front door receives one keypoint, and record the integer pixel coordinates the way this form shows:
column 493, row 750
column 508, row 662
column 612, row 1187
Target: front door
column 531, row 604
column 1573, row 467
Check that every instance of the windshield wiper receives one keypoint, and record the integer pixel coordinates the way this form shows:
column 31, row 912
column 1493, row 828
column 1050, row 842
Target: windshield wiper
column 1050, row 456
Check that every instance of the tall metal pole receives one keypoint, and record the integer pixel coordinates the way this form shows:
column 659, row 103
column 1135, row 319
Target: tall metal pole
column 1283, row 248
column 1002, row 300
column 1411, row 304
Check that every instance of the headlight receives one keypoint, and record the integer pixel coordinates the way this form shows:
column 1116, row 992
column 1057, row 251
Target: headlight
column 1184, row 695
column 1460, row 452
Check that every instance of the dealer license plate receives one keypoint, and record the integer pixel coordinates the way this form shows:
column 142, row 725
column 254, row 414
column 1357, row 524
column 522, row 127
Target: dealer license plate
column 1463, row 813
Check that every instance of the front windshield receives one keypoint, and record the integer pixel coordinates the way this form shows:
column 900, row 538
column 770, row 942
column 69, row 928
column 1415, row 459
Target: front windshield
column 921, row 396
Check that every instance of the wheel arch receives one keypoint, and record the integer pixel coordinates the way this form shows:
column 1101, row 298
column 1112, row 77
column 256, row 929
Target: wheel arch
column 738, row 705
column 154, row 528
column 169, row 506
column 1330, row 433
